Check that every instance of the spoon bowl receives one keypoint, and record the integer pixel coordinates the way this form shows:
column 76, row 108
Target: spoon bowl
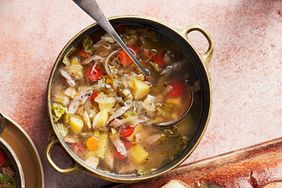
column 189, row 94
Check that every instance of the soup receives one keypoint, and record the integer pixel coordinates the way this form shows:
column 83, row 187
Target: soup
column 8, row 176
column 107, row 111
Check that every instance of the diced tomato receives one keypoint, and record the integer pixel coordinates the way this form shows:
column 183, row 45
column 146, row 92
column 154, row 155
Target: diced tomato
column 94, row 74
column 118, row 155
column 177, row 89
column 127, row 143
column 124, row 58
column 2, row 158
column 159, row 59
column 83, row 54
column 93, row 96
column 78, row 147
column 126, row 131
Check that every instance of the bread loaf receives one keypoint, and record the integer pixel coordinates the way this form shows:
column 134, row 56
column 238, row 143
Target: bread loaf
column 254, row 167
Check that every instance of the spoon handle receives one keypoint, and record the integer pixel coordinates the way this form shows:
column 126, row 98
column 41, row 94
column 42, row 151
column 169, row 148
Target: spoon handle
column 92, row 8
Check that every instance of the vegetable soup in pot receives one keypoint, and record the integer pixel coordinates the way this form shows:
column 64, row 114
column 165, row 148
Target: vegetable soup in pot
column 106, row 110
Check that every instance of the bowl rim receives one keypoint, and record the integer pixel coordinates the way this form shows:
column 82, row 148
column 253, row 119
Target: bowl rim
column 16, row 161
column 106, row 175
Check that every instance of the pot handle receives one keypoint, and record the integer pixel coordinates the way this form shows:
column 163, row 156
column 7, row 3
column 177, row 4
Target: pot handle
column 75, row 168
column 206, row 57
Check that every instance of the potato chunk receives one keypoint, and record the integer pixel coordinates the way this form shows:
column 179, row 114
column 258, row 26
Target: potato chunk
column 105, row 102
column 76, row 124
column 138, row 154
column 140, row 89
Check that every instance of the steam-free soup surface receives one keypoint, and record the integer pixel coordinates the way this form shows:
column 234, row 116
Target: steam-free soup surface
column 106, row 110
column 8, row 176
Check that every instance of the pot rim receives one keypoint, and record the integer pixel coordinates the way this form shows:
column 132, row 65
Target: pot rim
column 105, row 175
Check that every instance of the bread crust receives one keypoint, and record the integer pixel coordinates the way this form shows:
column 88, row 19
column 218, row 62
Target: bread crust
column 255, row 166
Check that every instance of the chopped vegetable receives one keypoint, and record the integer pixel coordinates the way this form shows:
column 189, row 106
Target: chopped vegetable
column 88, row 60
column 87, row 45
column 62, row 129
column 66, row 60
column 96, row 133
column 86, row 119
column 92, row 162
column 93, row 96
column 74, row 61
column 149, row 103
column 100, row 120
column 159, row 59
column 140, row 89
column 76, row 124
column 92, row 143
column 71, row 139
column 124, row 58
column 105, row 102
column 83, row 54
column 126, row 131
column 177, row 89
column 109, row 159
column 127, row 143
column 70, row 92
column 138, row 154
column 59, row 111
column 119, row 156
column 75, row 69
column 94, row 74
column 103, row 145
column 61, row 99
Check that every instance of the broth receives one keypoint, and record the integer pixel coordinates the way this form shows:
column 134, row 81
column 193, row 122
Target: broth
column 105, row 109
column 8, row 176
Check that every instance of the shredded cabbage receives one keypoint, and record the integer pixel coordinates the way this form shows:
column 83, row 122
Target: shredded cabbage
column 66, row 59
column 87, row 44
column 62, row 129
column 58, row 110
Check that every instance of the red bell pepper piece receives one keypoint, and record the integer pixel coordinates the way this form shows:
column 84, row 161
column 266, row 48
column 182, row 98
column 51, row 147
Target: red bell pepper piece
column 177, row 88
column 94, row 74
column 126, row 131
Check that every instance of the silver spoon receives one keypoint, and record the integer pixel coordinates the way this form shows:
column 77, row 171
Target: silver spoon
column 92, row 8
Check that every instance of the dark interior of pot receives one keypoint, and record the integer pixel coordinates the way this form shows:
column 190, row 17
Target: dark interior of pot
column 10, row 173
column 199, row 111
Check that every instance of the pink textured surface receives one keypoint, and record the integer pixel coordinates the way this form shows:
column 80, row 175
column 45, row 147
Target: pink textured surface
column 245, row 70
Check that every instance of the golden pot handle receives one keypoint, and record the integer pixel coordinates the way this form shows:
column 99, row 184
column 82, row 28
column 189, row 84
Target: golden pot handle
column 206, row 57
column 75, row 168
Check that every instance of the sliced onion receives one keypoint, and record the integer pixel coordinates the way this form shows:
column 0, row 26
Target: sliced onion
column 107, row 62
column 92, row 58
